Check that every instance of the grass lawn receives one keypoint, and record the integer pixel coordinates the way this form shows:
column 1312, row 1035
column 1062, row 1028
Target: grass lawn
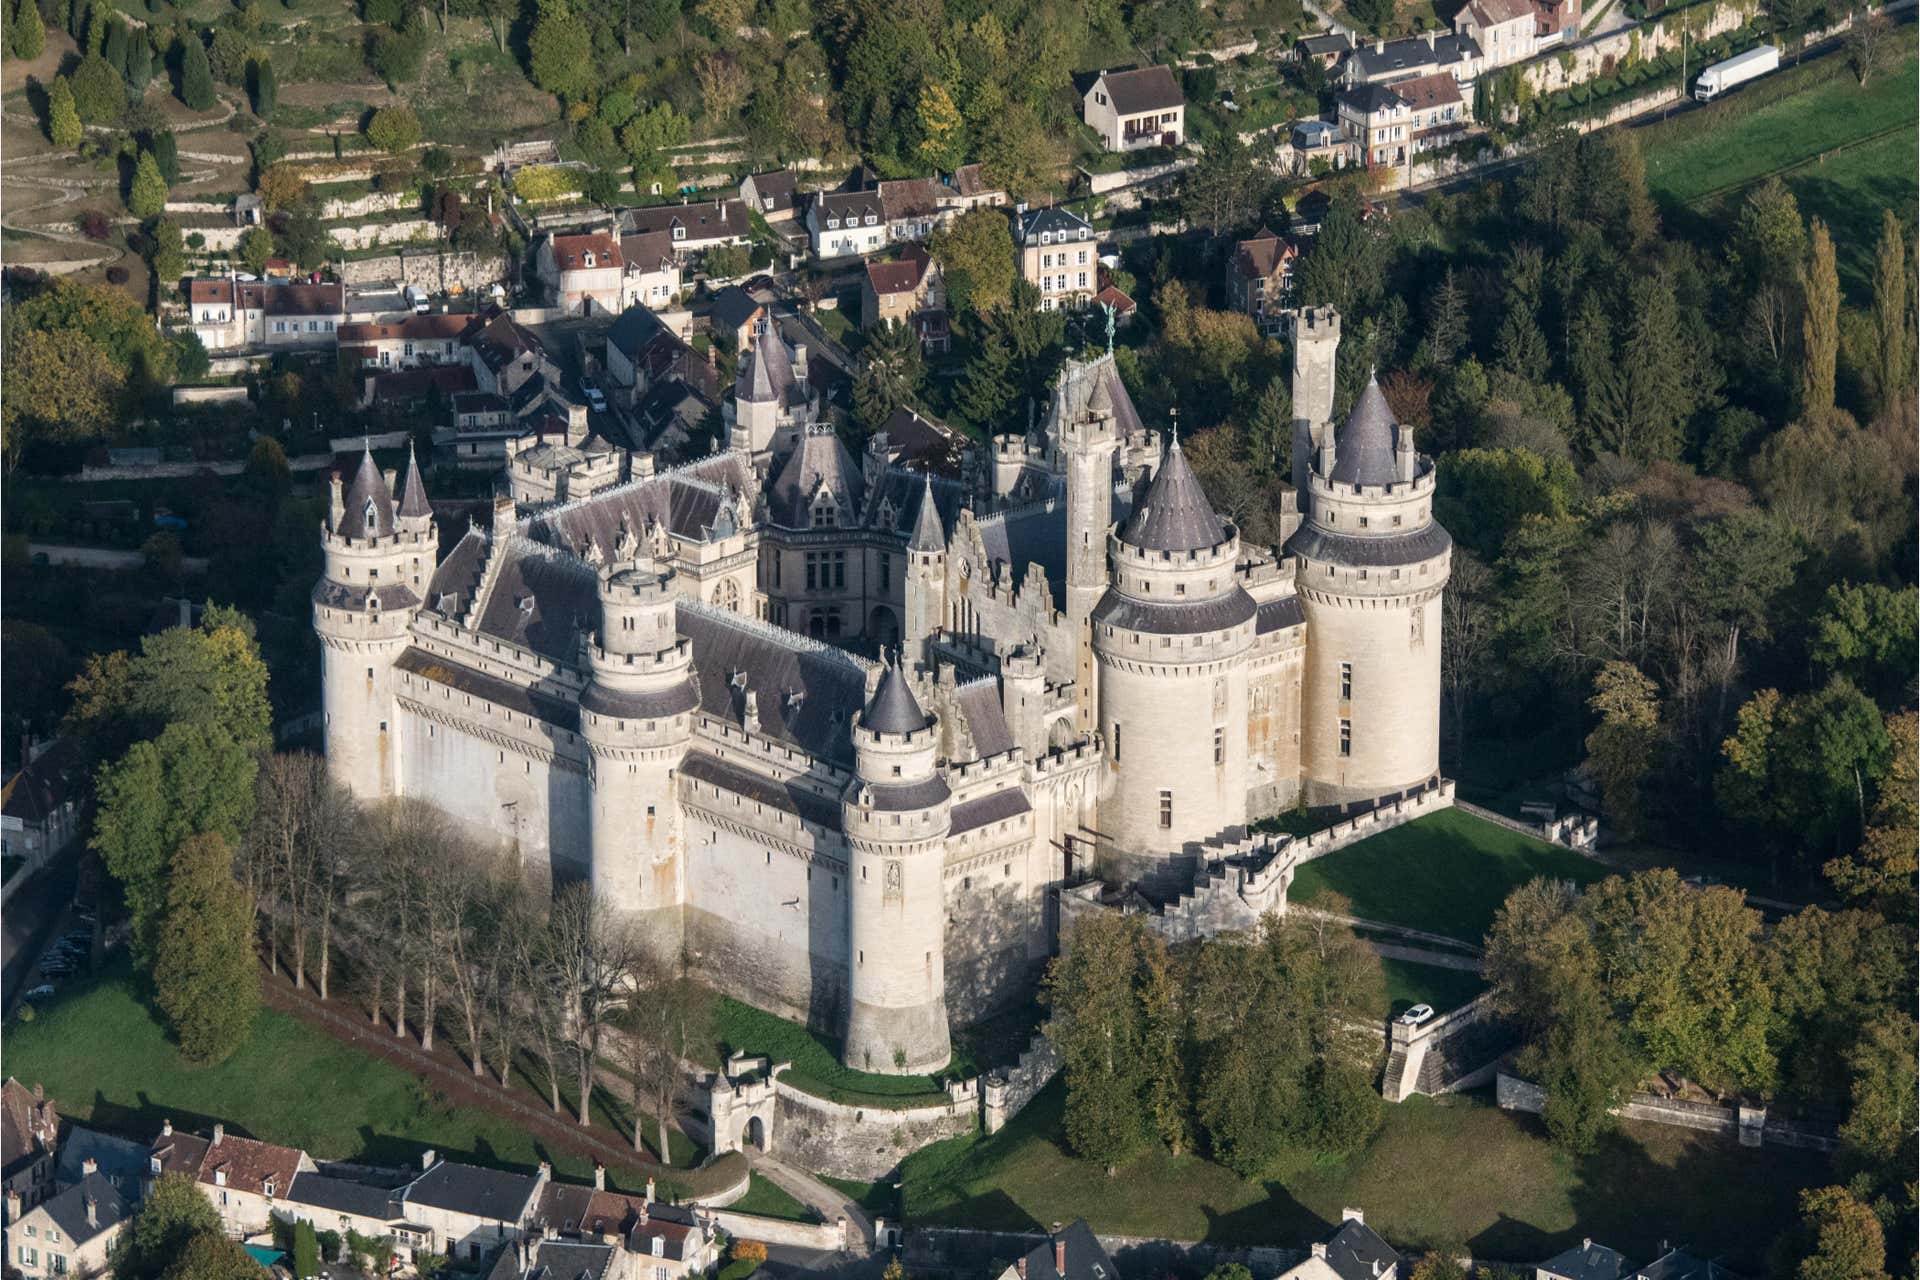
column 1446, row 873
column 108, row 1061
column 875, row 1197
column 1409, row 984
column 770, row 1200
column 1455, row 1170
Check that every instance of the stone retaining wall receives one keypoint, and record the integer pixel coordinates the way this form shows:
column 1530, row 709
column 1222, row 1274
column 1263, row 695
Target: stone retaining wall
column 798, row 1235
column 428, row 269
column 865, row 1142
column 1752, row 1125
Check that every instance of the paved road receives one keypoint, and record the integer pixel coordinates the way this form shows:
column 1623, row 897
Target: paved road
column 830, row 1203
column 33, row 917
column 104, row 557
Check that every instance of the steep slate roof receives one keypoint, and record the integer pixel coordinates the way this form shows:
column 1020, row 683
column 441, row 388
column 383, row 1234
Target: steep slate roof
column 413, row 490
column 805, row 692
column 368, row 486
column 732, row 307
column 121, row 1161
column 819, row 460
column 986, row 721
column 1491, row 13
column 1356, row 1252
column 470, row 1189
column 1412, row 54
column 970, row 815
column 1363, row 450
column 766, row 371
column 1426, row 92
column 927, row 533
column 539, row 599
column 1073, row 395
column 647, row 250
column 1085, row 1258
column 69, row 1209
column 33, row 794
column 702, row 221
column 922, row 443
column 1678, row 1264
column 1372, row 99
column 570, row 1260
column 1587, row 1261
column 1050, row 220
column 685, row 500
column 779, row 185
column 857, row 205
column 1175, row 515
column 893, row 708
column 1143, row 89
column 344, row 1195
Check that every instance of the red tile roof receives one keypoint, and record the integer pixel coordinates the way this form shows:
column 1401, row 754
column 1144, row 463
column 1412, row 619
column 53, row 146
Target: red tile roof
column 416, row 327
column 570, row 252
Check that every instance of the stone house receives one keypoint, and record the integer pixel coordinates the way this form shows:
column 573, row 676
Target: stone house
column 736, row 316
column 343, row 1205
column 652, row 275
column 912, row 208
column 1133, row 109
column 1585, row 1261
column 649, row 1240
column 1504, row 30
column 1073, row 1254
column 70, row 1234
column 641, row 352
column 241, row 1177
column 582, row 273
column 467, row 1211
column 29, row 1135
column 1260, row 279
column 967, row 188
column 1353, row 1252
column 1327, row 48
column 690, row 227
column 843, row 224
column 1310, row 140
column 774, row 195
column 1388, row 61
column 1387, row 124
column 407, row 343
column 1057, row 256
column 228, row 314
column 907, row 291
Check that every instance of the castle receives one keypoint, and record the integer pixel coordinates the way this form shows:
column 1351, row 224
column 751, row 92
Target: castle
column 1084, row 668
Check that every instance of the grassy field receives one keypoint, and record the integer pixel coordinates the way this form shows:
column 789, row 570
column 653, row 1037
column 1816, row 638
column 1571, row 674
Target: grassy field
column 770, row 1200
column 1409, row 984
column 108, row 1061
column 1446, row 873
column 1455, row 1170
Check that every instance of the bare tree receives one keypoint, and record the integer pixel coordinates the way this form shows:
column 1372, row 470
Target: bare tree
column 295, row 851
column 1468, row 619
column 667, row 1019
column 592, row 957
column 470, row 892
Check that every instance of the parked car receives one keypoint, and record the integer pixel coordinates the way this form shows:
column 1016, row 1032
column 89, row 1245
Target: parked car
column 1418, row 1014
column 41, row 992
column 596, row 399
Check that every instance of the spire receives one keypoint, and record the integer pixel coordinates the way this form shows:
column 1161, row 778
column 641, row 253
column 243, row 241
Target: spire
column 927, row 533
column 1175, row 515
column 893, row 708
column 413, row 490
column 1100, row 402
column 367, row 510
column 1364, row 447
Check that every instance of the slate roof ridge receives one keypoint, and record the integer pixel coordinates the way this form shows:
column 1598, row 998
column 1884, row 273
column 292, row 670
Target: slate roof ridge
column 779, row 635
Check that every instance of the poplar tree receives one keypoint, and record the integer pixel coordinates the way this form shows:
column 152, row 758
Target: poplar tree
column 265, row 89
column 1892, row 312
column 204, row 976
column 1820, row 326
column 196, row 74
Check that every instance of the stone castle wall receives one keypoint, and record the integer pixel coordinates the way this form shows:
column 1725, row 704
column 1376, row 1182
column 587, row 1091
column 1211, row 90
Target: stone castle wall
column 866, row 1142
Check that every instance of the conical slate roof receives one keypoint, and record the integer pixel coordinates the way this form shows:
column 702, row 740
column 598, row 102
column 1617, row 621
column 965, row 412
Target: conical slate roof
column 1175, row 515
column 927, row 533
column 368, row 506
column 819, row 461
column 1363, row 449
column 767, row 371
column 1100, row 402
column 413, row 490
column 893, row 708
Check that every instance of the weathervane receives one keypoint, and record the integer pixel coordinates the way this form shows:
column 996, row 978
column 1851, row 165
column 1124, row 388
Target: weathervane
column 1108, row 308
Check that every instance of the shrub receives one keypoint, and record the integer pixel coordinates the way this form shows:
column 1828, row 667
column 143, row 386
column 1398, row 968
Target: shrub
column 393, row 129
column 93, row 225
column 748, row 1251
column 116, row 275
column 541, row 182
column 99, row 91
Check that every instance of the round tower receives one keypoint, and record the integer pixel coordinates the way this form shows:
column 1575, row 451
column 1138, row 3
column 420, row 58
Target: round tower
column 1370, row 566
column 1171, row 637
column 1088, row 442
column 380, row 554
column 636, row 716
column 895, row 816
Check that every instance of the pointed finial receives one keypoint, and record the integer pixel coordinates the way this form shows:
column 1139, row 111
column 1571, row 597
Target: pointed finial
column 1372, row 370
column 1174, row 415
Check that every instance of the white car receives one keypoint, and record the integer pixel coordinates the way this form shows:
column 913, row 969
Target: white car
column 1415, row 1016
column 42, row 992
column 596, row 399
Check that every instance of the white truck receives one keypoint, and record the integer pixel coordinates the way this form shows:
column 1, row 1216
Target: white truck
column 1737, row 70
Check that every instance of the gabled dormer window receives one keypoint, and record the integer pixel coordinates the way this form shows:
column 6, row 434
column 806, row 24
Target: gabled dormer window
column 679, row 233
column 586, row 259
column 833, row 224
column 826, row 513
column 1046, row 237
column 368, row 513
column 871, row 219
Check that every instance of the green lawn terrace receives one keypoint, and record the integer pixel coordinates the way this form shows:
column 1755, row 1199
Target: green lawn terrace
column 1446, row 873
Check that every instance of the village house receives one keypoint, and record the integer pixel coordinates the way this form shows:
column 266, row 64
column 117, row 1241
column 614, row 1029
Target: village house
column 29, row 1132
column 1311, row 140
column 842, row 224
column 1134, row 109
column 1057, row 257
column 581, row 272
column 242, row 1178
column 1555, row 22
column 1327, row 48
column 1390, row 61
column 774, row 195
column 1503, row 29
column 912, row 208
column 406, row 343
column 1072, row 1254
column 1389, row 124
column 1585, row 1261
column 642, row 351
column 228, row 314
column 908, row 291
column 736, row 317
column 1353, row 1252
column 69, row 1234
column 652, row 274
column 967, row 188
column 40, row 807
column 692, row 227
column 343, row 1205
column 650, row 1240
column 1260, row 279
column 467, row 1211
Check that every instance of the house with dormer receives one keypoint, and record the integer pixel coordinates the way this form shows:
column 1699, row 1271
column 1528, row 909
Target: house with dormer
column 1260, row 279
column 692, row 227
column 582, row 273
column 845, row 224
column 1354, row 1251
column 1057, row 255
column 70, row 1234
column 242, row 1178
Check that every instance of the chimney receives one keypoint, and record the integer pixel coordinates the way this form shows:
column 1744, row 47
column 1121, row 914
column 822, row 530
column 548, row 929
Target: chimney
column 649, row 1199
column 219, row 1132
column 1319, row 1248
column 504, row 515
column 1021, row 1267
column 599, row 1176
column 1376, row 1269
column 13, row 1204
column 93, row 1212
column 546, row 1172
column 1431, row 36
column 166, row 1127
column 644, row 1204
column 89, row 1167
column 1353, row 1215
column 1586, row 1242
column 427, row 1158
column 39, row 1092
column 186, row 613
column 1060, row 1255
column 392, row 478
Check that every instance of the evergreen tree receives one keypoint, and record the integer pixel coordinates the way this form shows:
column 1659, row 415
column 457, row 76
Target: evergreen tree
column 986, row 389
column 1649, row 392
column 140, row 73
column 1820, row 326
column 265, row 89
column 1520, row 348
column 167, row 253
column 115, row 48
column 28, row 38
column 1446, row 322
column 889, row 374
column 205, row 979
column 306, row 1250
column 166, row 154
column 99, row 90
column 1270, row 430
column 1101, row 1034
column 1346, row 266
column 147, row 198
column 196, row 74
column 1892, row 312
column 63, row 121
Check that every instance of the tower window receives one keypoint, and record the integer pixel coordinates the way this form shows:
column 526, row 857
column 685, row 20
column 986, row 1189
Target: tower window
column 886, row 572
column 1346, row 682
column 1166, row 810
column 1346, row 738
column 1219, row 746
column 1116, row 738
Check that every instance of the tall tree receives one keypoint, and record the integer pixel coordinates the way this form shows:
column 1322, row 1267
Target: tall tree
column 1839, row 1238
column 1820, row 325
column 1226, row 188
column 1883, row 872
column 1892, row 311
column 63, row 120
column 560, row 50
column 668, row 1022
column 889, row 373
column 28, row 36
column 204, row 977
column 147, row 197
column 1446, row 321
column 1346, row 267
column 1100, row 1030
column 173, row 1212
column 266, row 87
column 975, row 252
column 196, row 74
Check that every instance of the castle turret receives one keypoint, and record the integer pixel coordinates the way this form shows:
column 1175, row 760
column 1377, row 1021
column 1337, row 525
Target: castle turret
column 1371, row 567
column 1316, row 344
column 771, row 398
column 636, row 715
column 1087, row 442
column 924, row 598
column 1023, row 698
column 379, row 556
column 1172, row 636
column 895, row 816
